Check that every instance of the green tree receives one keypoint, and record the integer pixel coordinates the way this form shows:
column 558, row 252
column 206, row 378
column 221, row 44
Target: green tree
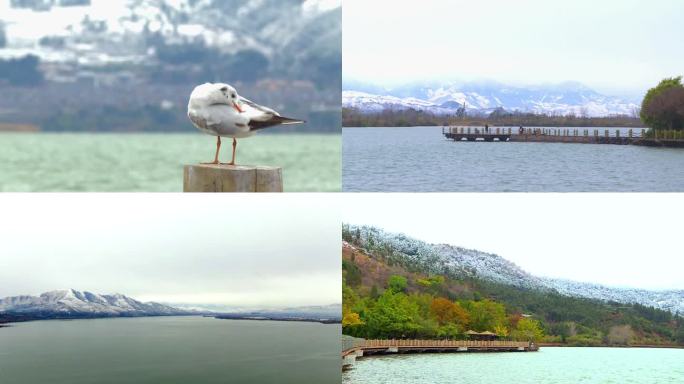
column 392, row 316
column 527, row 330
column 397, row 283
column 486, row 315
column 655, row 117
column 351, row 273
column 434, row 284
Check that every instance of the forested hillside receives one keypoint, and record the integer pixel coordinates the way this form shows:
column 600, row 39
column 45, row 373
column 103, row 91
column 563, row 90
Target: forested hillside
column 387, row 296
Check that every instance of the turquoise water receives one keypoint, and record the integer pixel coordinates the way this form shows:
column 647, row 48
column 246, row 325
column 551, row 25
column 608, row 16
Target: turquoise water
column 548, row 366
column 420, row 159
column 169, row 350
column 154, row 162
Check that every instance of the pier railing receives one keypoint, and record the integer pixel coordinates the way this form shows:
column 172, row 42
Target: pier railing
column 560, row 132
column 443, row 343
column 354, row 348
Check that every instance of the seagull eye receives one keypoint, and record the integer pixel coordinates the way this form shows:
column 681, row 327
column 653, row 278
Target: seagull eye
column 232, row 95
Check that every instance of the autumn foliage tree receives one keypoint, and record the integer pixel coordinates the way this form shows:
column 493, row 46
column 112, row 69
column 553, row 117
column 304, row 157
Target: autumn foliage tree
column 446, row 312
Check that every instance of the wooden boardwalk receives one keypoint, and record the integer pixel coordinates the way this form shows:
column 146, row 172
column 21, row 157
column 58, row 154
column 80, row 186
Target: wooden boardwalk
column 557, row 135
column 359, row 348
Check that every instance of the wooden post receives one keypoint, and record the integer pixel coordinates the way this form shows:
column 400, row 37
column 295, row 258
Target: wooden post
column 232, row 178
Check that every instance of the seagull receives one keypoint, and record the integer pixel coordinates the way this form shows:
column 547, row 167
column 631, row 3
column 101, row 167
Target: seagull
column 218, row 110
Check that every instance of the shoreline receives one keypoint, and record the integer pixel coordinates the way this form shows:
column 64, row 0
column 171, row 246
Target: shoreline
column 8, row 323
column 665, row 346
column 498, row 125
column 256, row 318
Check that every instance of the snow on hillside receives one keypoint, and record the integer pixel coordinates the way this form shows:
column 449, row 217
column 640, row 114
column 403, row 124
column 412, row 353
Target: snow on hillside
column 563, row 99
column 69, row 302
column 376, row 103
column 105, row 32
column 462, row 262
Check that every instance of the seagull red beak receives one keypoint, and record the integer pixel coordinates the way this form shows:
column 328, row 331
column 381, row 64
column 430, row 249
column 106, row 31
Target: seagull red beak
column 237, row 107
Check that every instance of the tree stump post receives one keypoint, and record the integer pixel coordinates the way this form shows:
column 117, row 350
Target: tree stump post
column 231, row 178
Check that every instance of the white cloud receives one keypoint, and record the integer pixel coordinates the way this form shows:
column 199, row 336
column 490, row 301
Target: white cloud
column 219, row 249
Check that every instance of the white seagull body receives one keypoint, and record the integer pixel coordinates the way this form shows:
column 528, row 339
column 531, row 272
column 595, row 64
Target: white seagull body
column 217, row 109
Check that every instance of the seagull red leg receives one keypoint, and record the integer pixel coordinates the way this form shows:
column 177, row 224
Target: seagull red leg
column 232, row 162
column 218, row 148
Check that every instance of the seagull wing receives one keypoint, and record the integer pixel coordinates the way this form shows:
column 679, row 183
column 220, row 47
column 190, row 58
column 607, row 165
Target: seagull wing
column 263, row 117
column 257, row 112
column 220, row 120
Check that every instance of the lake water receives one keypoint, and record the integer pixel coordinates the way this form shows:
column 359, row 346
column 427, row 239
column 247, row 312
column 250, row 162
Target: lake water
column 548, row 366
column 169, row 350
column 154, row 162
column 420, row 159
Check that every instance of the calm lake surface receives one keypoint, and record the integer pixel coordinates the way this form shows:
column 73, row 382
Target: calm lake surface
column 169, row 350
column 548, row 366
column 154, row 162
column 421, row 159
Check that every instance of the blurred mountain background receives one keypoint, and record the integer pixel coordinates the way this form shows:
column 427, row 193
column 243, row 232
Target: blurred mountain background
column 130, row 65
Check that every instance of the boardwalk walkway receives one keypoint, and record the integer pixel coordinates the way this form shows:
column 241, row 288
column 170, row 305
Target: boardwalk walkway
column 558, row 135
column 353, row 348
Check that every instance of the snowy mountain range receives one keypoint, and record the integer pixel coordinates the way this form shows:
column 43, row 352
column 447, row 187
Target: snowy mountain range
column 331, row 311
column 72, row 303
column 83, row 36
column 462, row 262
column 484, row 97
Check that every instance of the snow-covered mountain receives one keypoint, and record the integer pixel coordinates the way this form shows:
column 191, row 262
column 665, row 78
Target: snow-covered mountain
column 79, row 37
column 331, row 311
column 70, row 302
column 485, row 97
column 462, row 262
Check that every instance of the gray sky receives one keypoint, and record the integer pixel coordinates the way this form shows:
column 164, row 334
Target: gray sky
column 239, row 250
column 625, row 240
column 614, row 46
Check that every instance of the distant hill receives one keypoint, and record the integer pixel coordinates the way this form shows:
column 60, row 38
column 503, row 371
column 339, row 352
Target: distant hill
column 70, row 303
column 129, row 66
column 319, row 313
column 73, row 304
column 483, row 98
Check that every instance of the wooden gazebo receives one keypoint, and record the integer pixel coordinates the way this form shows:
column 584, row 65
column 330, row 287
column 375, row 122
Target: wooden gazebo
column 486, row 335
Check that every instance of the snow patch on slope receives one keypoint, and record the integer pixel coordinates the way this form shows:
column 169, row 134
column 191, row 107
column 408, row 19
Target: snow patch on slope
column 469, row 263
column 70, row 301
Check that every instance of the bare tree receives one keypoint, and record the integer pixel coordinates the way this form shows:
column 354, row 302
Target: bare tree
column 620, row 335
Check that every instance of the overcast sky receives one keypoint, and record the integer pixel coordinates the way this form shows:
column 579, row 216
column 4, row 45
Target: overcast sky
column 624, row 240
column 623, row 46
column 237, row 250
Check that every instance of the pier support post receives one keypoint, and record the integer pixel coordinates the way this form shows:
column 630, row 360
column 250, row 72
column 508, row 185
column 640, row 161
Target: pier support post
column 232, row 178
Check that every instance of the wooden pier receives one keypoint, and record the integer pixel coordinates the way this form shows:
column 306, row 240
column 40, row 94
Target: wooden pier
column 558, row 135
column 359, row 348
